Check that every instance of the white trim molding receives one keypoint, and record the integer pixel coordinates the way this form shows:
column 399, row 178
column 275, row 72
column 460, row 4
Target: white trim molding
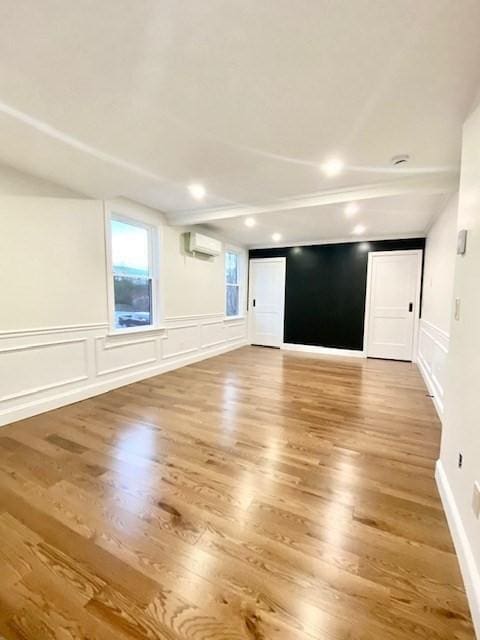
column 433, row 346
column 323, row 351
column 428, row 184
column 468, row 567
column 80, row 361
column 23, row 333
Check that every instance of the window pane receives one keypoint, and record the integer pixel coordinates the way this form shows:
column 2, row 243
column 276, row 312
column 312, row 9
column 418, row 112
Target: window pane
column 129, row 249
column 133, row 301
column 232, row 300
column 231, row 268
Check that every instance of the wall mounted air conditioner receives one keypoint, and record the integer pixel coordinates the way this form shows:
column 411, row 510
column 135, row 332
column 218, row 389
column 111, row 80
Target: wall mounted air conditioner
column 198, row 243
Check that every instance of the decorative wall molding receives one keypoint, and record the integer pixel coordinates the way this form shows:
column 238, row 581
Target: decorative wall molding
column 433, row 345
column 21, row 333
column 127, row 354
column 90, row 361
column 29, row 376
column 201, row 316
column 469, row 569
column 181, row 340
column 326, row 351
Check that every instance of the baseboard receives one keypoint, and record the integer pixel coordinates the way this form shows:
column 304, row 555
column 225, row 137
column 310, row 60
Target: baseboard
column 326, row 351
column 468, row 567
column 77, row 394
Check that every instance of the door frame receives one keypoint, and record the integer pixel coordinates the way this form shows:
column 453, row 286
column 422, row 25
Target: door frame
column 416, row 326
column 283, row 261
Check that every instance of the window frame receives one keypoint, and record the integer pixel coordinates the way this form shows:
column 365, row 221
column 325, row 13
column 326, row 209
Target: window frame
column 153, row 262
column 240, row 282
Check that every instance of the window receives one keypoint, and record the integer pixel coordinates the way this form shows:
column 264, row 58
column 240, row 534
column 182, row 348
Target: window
column 131, row 246
column 232, row 281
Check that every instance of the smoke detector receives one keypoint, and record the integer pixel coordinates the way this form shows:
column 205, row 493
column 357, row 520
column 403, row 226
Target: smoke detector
column 399, row 160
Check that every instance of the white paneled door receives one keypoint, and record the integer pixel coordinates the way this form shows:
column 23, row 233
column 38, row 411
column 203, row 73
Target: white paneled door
column 393, row 301
column 266, row 294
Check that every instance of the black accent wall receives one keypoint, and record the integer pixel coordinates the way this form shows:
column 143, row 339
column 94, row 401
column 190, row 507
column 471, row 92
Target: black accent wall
column 325, row 290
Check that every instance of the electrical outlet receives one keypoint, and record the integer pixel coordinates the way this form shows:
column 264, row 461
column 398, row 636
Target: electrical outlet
column 476, row 499
column 460, row 460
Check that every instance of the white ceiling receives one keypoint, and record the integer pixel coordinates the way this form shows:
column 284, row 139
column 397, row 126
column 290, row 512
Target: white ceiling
column 139, row 98
column 391, row 217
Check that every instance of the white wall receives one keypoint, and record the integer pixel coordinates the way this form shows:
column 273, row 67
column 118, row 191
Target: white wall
column 52, row 259
column 438, row 278
column 439, row 271
column 461, row 426
column 56, row 345
column 17, row 183
column 192, row 284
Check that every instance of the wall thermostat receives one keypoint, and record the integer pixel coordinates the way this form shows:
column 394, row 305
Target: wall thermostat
column 461, row 242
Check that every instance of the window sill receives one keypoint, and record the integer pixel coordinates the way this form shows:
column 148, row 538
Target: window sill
column 133, row 330
column 232, row 318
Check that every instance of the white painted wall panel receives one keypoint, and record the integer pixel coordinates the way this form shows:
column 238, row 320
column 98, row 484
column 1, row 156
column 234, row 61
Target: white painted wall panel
column 181, row 340
column 213, row 333
column 44, row 370
column 117, row 354
column 41, row 366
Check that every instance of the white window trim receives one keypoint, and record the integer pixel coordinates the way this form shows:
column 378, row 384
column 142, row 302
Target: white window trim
column 241, row 270
column 115, row 213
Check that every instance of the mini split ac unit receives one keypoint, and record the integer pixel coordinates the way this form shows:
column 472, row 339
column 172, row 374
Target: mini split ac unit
column 198, row 243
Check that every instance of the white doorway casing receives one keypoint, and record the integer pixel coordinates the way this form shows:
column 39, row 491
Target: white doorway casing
column 393, row 304
column 266, row 301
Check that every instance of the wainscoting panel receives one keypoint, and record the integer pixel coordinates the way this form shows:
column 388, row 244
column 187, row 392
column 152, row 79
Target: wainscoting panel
column 433, row 344
column 182, row 340
column 40, row 366
column 235, row 329
column 116, row 354
column 48, row 367
column 213, row 333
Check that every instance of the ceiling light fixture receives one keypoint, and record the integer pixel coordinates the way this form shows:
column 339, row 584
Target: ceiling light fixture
column 332, row 167
column 359, row 229
column 276, row 237
column 351, row 209
column 197, row 191
column 250, row 222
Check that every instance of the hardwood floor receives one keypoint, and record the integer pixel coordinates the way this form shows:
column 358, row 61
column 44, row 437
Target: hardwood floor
column 259, row 495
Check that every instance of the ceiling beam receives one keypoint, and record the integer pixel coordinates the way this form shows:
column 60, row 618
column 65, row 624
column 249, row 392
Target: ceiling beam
column 423, row 184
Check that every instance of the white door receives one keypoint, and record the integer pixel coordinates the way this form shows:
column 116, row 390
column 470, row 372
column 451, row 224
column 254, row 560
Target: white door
column 266, row 295
column 393, row 301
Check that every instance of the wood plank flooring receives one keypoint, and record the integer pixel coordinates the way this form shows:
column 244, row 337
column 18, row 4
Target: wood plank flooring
column 259, row 495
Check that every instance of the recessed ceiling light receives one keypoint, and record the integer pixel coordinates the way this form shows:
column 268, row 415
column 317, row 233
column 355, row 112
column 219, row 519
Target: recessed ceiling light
column 332, row 167
column 351, row 209
column 276, row 237
column 359, row 229
column 197, row 191
column 250, row 222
